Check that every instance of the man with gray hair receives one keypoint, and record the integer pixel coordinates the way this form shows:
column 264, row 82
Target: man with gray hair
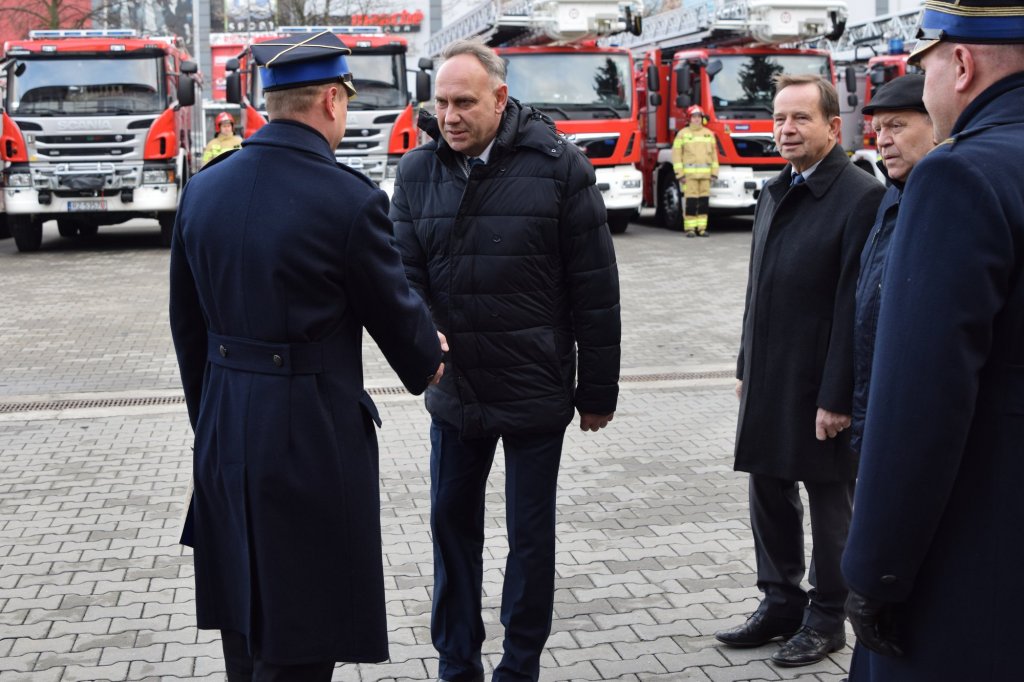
column 504, row 234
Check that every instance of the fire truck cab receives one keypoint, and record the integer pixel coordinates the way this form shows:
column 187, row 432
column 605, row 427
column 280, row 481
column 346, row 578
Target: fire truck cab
column 735, row 88
column 98, row 128
column 554, row 63
column 380, row 126
column 723, row 55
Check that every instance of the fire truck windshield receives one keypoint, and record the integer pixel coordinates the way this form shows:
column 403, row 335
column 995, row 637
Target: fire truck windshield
column 744, row 88
column 82, row 86
column 379, row 80
column 572, row 85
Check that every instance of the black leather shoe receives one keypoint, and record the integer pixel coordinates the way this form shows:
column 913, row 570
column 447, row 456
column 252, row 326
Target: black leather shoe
column 808, row 646
column 759, row 629
column 478, row 678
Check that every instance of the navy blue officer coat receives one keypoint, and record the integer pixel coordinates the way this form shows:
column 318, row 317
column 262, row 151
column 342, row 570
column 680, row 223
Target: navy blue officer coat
column 280, row 258
column 938, row 523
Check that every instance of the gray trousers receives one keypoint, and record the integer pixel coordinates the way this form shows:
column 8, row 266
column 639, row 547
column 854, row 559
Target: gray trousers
column 776, row 518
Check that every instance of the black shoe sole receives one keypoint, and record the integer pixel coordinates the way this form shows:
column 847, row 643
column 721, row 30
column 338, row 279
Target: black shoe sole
column 751, row 645
column 800, row 664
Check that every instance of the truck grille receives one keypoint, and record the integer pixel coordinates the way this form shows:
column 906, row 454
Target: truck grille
column 358, row 145
column 84, row 139
column 598, row 147
column 63, row 152
column 755, row 147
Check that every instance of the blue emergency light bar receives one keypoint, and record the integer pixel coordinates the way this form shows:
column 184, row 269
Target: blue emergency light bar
column 83, row 33
column 338, row 30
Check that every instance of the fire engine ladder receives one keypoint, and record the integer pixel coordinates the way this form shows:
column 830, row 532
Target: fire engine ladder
column 736, row 22
column 875, row 35
column 539, row 22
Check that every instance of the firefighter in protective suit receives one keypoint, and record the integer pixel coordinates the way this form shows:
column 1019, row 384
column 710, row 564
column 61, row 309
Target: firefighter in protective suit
column 695, row 162
column 224, row 140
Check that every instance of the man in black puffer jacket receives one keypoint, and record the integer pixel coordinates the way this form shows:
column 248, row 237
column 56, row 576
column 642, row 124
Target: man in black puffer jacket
column 503, row 232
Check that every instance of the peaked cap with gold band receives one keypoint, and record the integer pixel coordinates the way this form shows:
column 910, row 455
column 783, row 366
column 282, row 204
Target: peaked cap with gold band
column 969, row 21
column 307, row 59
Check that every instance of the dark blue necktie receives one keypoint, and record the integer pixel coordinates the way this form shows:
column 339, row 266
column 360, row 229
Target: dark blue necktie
column 471, row 163
column 797, row 179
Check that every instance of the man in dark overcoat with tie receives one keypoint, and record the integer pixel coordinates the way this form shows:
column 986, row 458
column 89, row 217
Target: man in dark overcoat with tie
column 269, row 294
column 937, row 541
column 795, row 373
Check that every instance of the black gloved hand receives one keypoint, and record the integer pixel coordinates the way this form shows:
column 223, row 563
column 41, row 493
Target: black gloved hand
column 873, row 622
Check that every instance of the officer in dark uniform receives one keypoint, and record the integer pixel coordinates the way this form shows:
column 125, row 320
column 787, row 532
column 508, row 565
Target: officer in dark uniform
column 269, row 294
column 935, row 549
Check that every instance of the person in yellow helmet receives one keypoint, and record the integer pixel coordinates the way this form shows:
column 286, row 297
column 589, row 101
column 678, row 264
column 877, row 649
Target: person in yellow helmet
column 224, row 140
column 695, row 163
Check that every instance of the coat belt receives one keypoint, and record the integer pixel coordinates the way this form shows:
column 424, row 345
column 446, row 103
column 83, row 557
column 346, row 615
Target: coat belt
column 263, row 357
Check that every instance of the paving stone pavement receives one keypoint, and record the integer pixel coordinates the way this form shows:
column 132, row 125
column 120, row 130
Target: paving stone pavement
column 654, row 554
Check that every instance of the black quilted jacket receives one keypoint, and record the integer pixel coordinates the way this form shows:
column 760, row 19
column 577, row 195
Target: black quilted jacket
column 517, row 265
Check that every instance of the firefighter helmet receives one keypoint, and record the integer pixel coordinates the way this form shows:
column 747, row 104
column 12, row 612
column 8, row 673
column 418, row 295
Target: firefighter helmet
column 695, row 109
column 225, row 117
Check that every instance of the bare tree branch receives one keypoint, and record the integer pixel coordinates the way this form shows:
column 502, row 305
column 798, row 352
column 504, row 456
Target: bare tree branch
column 54, row 14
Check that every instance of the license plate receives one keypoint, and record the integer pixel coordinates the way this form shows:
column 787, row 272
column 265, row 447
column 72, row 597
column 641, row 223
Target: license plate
column 88, row 205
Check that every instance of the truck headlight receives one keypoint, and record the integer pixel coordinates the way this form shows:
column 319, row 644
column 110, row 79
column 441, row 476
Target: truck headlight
column 631, row 184
column 19, row 180
column 719, row 183
column 157, row 177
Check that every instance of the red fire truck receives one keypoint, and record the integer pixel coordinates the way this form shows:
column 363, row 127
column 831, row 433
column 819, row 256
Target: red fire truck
column 380, row 125
column 98, row 128
column 723, row 58
column 555, row 64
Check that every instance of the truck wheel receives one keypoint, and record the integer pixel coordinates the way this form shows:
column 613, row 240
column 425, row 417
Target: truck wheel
column 5, row 231
column 618, row 220
column 28, row 233
column 166, row 228
column 670, row 203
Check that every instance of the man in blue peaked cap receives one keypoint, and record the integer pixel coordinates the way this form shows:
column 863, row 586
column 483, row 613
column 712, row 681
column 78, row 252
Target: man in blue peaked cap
column 934, row 553
column 269, row 295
